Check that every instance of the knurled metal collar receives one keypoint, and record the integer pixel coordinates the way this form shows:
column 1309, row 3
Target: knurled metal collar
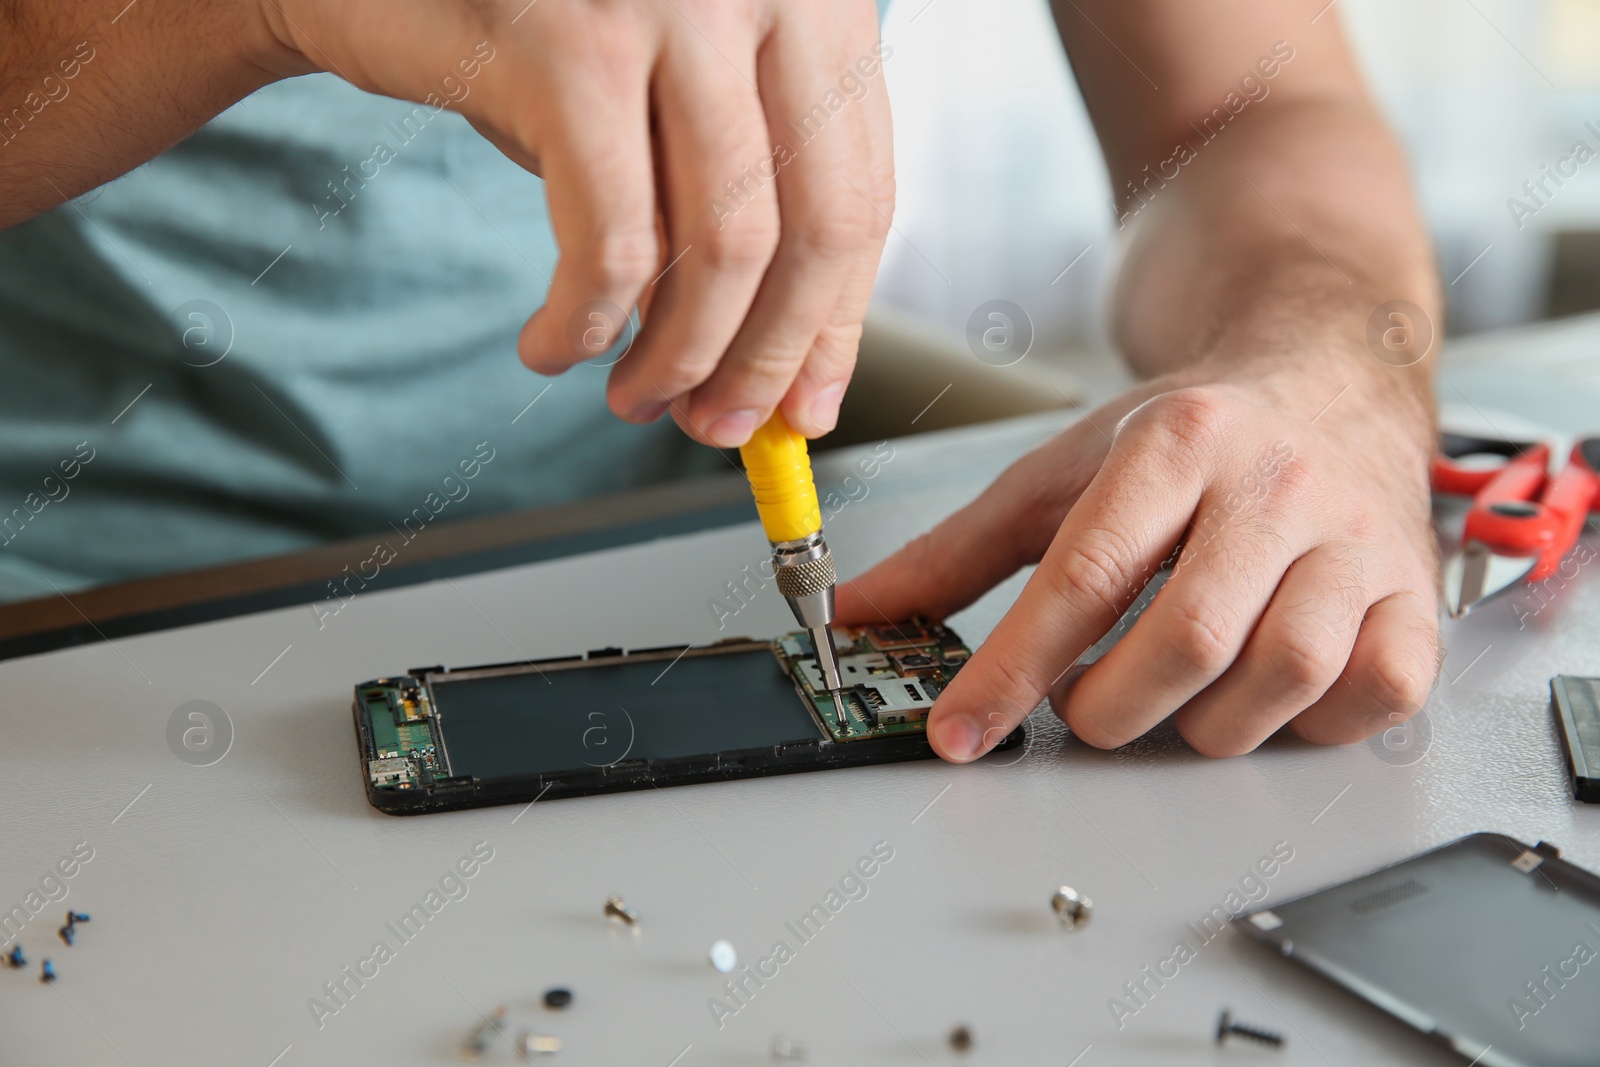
column 803, row 579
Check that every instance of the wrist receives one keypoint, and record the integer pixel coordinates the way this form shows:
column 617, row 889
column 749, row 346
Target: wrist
column 273, row 41
column 1376, row 353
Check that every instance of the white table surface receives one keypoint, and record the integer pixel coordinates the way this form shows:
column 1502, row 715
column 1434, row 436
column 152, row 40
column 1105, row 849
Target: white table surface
column 224, row 896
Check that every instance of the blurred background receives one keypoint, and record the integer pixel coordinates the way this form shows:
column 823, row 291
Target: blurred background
column 1002, row 185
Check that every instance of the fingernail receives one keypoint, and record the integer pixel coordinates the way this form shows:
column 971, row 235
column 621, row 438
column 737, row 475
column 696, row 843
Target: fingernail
column 547, row 370
column 734, row 428
column 959, row 737
column 825, row 407
column 648, row 412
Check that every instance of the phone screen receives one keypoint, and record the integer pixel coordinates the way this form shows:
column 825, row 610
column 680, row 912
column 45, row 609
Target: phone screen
column 499, row 725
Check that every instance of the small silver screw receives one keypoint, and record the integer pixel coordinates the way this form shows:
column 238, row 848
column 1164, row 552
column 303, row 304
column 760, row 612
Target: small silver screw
column 1071, row 907
column 617, row 908
column 478, row 1041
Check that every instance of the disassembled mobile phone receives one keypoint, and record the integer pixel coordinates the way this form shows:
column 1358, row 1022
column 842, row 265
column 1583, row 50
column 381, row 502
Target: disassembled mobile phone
column 1486, row 944
column 438, row 739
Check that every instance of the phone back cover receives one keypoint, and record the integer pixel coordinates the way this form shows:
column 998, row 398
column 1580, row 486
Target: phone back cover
column 1484, row 942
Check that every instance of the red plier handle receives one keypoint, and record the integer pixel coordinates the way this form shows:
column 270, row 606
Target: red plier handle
column 1521, row 511
column 1523, row 460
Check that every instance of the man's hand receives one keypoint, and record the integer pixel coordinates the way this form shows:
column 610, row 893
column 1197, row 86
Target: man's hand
column 726, row 164
column 1269, row 226
column 1305, row 591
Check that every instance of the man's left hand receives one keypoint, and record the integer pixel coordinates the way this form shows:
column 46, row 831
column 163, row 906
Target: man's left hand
column 1305, row 590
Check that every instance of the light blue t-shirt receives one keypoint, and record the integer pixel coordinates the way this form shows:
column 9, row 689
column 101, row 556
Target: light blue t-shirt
column 313, row 334
column 297, row 325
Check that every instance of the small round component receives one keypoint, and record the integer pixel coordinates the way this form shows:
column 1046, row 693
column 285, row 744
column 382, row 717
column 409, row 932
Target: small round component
column 784, row 1048
column 961, row 1038
column 722, row 956
column 1071, row 907
column 530, row 1045
column 557, row 997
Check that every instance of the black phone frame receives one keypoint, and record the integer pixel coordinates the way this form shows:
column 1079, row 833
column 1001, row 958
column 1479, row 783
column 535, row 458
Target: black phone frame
column 459, row 793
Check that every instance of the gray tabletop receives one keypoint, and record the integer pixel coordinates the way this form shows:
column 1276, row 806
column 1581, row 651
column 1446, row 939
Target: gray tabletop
column 226, row 897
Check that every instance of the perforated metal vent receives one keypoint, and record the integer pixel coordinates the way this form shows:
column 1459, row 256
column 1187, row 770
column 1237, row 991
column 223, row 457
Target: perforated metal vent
column 1387, row 897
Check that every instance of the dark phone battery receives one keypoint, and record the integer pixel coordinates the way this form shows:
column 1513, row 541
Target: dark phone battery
column 1577, row 704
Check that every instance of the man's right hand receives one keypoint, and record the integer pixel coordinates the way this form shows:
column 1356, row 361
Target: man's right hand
column 724, row 164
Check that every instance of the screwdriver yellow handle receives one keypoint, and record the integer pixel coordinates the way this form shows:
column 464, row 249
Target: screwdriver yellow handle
column 779, row 469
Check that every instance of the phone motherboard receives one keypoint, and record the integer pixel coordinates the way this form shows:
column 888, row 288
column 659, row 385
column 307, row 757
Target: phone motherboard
column 892, row 675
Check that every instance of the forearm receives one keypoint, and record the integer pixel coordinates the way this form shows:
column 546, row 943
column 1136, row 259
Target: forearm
column 90, row 90
column 1277, row 242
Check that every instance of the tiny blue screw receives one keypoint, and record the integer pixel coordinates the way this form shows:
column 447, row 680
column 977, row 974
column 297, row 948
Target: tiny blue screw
column 77, row 917
column 66, row 933
column 17, row 958
column 47, row 972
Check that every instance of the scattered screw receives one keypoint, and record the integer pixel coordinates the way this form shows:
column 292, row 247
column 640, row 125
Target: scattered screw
column 16, row 958
column 530, row 1045
column 68, row 931
column 617, row 908
column 1071, row 907
column 47, row 972
column 478, row 1041
column 723, row 957
column 558, row 997
column 1226, row 1026
column 784, row 1048
column 961, row 1039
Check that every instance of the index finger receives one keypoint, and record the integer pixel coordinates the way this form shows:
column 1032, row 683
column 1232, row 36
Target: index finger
column 602, row 194
column 1123, row 527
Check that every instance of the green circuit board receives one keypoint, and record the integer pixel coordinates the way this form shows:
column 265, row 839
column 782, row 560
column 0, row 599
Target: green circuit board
column 891, row 674
column 403, row 741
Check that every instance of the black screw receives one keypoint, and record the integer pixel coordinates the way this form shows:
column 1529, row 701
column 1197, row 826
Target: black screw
column 557, row 997
column 67, row 932
column 1226, row 1026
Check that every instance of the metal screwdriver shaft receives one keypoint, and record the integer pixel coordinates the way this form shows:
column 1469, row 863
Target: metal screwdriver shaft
column 805, row 575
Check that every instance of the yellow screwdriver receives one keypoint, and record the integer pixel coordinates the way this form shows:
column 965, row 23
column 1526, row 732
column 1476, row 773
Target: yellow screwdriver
column 779, row 469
